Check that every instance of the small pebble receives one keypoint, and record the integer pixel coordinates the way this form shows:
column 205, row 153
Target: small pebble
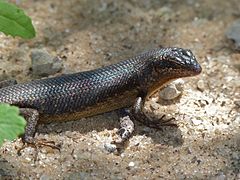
column 154, row 105
column 169, row 93
column 44, row 177
column 110, row 147
column 201, row 85
column 179, row 83
column 146, row 129
column 233, row 33
column 211, row 110
column 196, row 122
column 43, row 64
column 220, row 176
column 131, row 164
column 28, row 159
column 172, row 91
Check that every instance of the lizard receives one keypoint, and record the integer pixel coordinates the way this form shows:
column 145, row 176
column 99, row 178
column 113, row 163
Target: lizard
column 127, row 83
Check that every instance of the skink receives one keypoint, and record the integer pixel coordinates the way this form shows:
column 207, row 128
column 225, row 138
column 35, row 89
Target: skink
column 73, row 96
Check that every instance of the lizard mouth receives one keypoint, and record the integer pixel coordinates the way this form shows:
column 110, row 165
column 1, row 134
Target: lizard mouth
column 193, row 71
column 197, row 69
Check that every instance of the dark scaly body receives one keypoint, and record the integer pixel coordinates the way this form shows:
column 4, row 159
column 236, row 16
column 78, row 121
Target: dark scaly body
column 83, row 94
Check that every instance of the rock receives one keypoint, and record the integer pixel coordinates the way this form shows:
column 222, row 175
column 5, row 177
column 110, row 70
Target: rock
column 233, row 33
column 172, row 91
column 154, row 105
column 201, row 85
column 220, row 176
column 44, row 177
column 110, row 147
column 131, row 164
column 43, row 64
column 179, row 83
column 196, row 122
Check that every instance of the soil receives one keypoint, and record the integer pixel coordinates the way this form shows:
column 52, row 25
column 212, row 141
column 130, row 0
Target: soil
column 87, row 34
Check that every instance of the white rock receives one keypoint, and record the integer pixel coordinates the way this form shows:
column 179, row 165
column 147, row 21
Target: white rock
column 131, row 164
column 196, row 122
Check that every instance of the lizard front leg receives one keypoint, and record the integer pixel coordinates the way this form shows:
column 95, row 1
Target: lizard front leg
column 126, row 120
column 139, row 115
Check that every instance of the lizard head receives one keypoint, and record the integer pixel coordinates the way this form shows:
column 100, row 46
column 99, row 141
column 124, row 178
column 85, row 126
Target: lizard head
column 170, row 64
column 176, row 63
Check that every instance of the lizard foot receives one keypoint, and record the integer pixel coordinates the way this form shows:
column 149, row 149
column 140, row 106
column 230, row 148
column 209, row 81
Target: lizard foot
column 37, row 144
column 125, row 131
column 157, row 123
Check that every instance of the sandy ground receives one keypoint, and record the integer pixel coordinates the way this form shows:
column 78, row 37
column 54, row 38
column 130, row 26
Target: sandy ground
column 87, row 34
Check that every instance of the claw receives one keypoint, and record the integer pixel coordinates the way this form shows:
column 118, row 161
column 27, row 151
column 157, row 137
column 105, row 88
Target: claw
column 36, row 145
column 140, row 116
column 158, row 123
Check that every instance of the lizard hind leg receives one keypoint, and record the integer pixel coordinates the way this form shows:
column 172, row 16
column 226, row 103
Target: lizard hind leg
column 32, row 116
column 126, row 126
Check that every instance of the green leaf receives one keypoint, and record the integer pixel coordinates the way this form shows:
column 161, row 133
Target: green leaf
column 14, row 22
column 11, row 123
